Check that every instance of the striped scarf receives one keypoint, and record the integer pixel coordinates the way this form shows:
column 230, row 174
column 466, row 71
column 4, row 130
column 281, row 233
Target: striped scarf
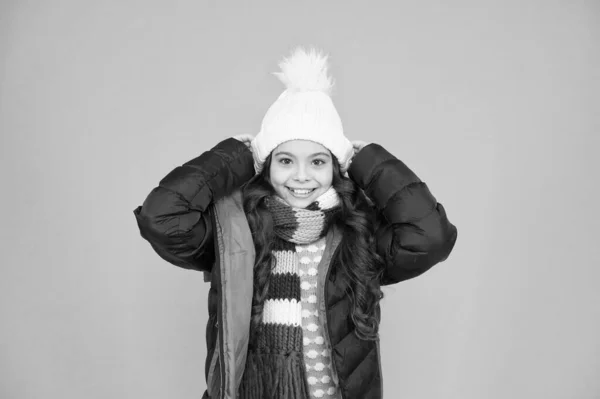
column 275, row 366
column 303, row 225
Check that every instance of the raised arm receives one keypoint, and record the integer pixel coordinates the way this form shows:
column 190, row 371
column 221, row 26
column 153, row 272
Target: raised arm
column 175, row 216
column 414, row 233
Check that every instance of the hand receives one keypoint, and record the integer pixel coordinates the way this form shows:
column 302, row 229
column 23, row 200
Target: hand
column 358, row 145
column 246, row 139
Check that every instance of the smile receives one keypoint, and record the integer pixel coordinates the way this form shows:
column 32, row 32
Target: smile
column 301, row 193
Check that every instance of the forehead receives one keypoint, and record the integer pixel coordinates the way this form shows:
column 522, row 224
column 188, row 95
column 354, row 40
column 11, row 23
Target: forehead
column 301, row 148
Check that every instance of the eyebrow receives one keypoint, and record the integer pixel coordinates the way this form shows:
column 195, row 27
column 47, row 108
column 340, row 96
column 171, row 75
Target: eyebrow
column 312, row 155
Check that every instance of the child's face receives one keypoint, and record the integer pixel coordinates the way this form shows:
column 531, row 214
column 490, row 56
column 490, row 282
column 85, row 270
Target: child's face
column 301, row 171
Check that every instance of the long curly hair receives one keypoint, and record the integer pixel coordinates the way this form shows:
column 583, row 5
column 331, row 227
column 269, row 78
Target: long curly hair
column 357, row 260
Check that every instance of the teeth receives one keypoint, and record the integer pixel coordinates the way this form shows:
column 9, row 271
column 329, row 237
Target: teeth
column 300, row 192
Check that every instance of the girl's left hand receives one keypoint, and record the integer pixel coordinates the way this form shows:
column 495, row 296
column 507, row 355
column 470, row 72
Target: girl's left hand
column 246, row 139
column 358, row 145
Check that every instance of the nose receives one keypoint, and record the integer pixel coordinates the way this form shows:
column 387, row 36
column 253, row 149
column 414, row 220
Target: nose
column 301, row 174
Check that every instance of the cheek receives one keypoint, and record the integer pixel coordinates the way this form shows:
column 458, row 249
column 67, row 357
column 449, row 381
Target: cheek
column 277, row 176
column 326, row 178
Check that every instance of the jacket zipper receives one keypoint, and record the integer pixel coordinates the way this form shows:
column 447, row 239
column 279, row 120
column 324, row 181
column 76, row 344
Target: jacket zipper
column 378, row 349
column 219, row 322
column 212, row 367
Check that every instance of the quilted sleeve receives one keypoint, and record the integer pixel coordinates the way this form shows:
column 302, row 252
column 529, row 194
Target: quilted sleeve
column 175, row 217
column 414, row 232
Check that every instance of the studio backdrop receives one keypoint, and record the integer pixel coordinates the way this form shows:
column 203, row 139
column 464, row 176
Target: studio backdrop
column 494, row 104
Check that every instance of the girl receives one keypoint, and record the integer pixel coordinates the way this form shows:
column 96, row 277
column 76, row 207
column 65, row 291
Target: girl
column 296, row 229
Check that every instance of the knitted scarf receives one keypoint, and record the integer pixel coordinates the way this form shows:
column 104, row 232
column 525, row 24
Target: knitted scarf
column 275, row 364
column 303, row 225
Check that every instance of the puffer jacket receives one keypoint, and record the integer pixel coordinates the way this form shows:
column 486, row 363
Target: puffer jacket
column 194, row 219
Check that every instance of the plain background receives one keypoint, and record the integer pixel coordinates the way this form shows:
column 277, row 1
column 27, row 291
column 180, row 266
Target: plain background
column 494, row 104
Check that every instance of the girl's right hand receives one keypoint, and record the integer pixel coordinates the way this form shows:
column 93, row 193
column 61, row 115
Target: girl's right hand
column 358, row 145
column 246, row 139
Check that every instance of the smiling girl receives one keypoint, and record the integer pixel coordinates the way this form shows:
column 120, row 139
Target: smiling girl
column 301, row 172
column 296, row 229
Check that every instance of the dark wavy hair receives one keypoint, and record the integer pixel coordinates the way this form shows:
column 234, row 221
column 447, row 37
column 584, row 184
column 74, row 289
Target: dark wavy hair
column 356, row 261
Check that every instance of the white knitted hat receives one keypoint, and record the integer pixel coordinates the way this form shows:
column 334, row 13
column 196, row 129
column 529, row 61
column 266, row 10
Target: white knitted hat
column 304, row 111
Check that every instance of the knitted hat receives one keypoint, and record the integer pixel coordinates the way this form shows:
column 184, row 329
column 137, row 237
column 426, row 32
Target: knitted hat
column 304, row 111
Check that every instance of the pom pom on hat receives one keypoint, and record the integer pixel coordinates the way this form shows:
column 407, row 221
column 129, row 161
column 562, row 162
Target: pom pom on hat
column 304, row 111
column 305, row 71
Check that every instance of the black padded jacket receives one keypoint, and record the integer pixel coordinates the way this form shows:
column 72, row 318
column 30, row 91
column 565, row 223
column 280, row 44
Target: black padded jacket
column 414, row 235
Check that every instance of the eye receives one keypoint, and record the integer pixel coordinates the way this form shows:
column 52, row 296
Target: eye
column 285, row 161
column 319, row 162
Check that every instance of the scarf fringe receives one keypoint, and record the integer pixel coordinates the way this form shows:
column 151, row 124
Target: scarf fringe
column 276, row 376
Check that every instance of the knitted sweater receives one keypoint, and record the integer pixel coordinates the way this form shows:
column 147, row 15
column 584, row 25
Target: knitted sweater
column 317, row 355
